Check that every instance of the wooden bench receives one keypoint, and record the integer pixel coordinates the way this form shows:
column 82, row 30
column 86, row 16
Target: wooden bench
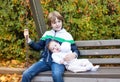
column 106, row 53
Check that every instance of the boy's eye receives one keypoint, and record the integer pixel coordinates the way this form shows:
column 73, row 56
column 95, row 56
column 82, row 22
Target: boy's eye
column 59, row 21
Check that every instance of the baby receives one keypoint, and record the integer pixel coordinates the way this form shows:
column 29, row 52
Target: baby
column 75, row 65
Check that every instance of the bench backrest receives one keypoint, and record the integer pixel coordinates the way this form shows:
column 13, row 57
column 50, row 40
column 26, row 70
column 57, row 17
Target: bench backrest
column 100, row 51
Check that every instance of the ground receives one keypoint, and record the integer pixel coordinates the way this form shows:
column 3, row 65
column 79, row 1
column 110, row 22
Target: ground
column 12, row 64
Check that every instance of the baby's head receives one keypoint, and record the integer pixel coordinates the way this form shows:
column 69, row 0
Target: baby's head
column 54, row 46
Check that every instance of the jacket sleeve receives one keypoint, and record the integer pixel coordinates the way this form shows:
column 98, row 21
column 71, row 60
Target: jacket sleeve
column 73, row 46
column 75, row 49
column 37, row 45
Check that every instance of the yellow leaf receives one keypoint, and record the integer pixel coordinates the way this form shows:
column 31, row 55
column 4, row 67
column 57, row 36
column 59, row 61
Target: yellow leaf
column 2, row 78
column 14, row 62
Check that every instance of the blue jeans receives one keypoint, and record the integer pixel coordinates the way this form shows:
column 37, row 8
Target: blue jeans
column 41, row 66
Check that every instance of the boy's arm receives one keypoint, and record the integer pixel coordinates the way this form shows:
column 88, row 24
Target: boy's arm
column 75, row 50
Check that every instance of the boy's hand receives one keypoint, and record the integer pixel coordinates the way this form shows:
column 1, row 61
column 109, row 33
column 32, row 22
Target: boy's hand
column 26, row 34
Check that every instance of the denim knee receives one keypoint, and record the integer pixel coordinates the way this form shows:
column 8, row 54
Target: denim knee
column 26, row 77
column 58, row 76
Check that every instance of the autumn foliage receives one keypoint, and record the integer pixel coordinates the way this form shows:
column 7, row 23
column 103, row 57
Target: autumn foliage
column 10, row 78
column 84, row 19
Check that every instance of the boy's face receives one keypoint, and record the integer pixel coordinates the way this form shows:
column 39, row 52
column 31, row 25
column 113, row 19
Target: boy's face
column 57, row 24
column 54, row 47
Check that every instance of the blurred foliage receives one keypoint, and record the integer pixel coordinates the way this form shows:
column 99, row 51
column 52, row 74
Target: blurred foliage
column 84, row 19
column 88, row 19
column 10, row 77
column 15, row 15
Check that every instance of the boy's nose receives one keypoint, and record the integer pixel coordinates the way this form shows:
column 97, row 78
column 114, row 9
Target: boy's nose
column 56, row 23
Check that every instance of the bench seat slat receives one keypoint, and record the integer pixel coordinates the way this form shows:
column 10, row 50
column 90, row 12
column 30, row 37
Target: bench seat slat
column 103, row 72
column 8, row 70
column 105, row 60
column 115, row 42
column 107, row 72
column 100, row 52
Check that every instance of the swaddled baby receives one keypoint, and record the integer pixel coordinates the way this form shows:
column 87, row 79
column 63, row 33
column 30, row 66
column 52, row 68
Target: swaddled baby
column 75, row 65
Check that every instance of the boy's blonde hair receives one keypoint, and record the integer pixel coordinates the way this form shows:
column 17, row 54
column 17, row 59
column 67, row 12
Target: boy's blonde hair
column 52, row 17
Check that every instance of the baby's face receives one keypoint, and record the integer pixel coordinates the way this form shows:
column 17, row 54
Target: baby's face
column 54, row 47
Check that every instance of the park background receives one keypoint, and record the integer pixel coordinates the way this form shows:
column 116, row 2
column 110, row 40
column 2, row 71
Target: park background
column 84, row 19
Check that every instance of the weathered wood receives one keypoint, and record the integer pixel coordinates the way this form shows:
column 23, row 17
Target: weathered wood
column 91, row 43
column 38, row 16
column 98, row 52
column 72, row 79
column 7, row 70
column 105, row 60
column 102, row 73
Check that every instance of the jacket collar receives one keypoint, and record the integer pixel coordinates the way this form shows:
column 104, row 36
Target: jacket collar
column 62, row 30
